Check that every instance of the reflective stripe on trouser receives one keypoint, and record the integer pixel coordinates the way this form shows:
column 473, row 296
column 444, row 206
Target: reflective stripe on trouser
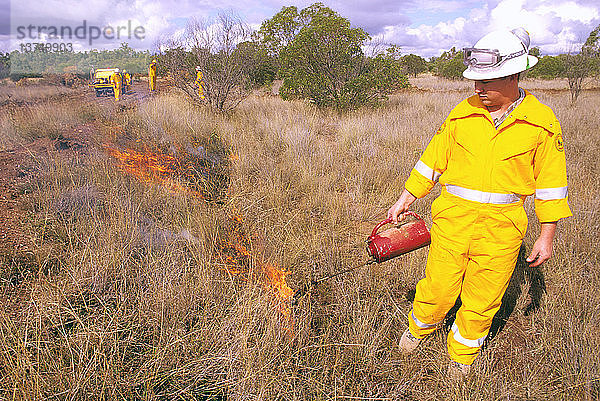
column 473, row 251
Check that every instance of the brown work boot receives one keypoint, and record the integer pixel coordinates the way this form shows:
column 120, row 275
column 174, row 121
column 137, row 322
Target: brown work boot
column 458, row 371
column 408, row 342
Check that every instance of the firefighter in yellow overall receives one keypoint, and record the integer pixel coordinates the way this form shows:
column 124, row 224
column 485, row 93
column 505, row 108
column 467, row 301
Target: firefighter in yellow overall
column 152, row 75
column 200, row 83
column 126, row 81
column 117, row 82
column 495, row 148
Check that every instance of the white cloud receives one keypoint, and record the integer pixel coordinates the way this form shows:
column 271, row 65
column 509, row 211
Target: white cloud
column 571, row 11
column 554, row 26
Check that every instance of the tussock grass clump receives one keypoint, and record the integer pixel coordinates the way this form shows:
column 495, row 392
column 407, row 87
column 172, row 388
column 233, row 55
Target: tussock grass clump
column 143, row 305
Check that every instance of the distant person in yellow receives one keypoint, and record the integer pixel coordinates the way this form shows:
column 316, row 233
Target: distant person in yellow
column 495, row 148
column 200, row 83
column 117, row 81
column 126, row 80
column 152, row 75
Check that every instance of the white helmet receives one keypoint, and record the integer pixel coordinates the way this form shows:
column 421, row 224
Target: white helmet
column 498, row 54
column 198, row 68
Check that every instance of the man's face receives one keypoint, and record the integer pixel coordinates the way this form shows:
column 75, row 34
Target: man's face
column 494, row 92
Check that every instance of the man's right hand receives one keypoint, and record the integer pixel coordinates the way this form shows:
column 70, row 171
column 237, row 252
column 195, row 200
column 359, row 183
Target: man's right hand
column 396, row 212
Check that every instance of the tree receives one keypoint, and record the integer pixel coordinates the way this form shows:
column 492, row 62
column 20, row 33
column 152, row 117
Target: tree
column 592, row 44
column 582, row 65
column 535, row 51
column 591, row 49
column 548, row 67
column 325, row 63
column 215, row 48
column 4, row 65
column 450, row 64
column 577, row 69
column 263, row 66
column 413, row 64
column 278, row 32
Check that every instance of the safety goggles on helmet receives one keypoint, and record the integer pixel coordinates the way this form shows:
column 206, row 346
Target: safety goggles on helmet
column 486, row 58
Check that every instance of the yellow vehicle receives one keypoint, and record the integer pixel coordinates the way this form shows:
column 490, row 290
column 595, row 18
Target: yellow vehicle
column 101, row 83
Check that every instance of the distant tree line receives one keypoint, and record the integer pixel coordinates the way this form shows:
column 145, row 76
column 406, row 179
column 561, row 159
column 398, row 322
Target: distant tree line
column 39, row 62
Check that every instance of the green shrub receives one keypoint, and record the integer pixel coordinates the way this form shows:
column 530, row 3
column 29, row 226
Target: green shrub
column 325, row 63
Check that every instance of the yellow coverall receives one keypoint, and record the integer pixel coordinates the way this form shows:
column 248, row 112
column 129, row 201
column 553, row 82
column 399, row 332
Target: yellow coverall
column 479, row 220
column 200, row 83
column 116, row 81
column 127, row 78
column 152, row 76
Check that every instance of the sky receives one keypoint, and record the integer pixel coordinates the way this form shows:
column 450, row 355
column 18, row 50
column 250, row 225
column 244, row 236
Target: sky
column 423, row 27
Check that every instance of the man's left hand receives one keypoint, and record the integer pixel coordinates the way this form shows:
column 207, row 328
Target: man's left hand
column 542, row 248
column 541, row 252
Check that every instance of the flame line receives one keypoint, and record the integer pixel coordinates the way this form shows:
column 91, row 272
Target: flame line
column 235, row 251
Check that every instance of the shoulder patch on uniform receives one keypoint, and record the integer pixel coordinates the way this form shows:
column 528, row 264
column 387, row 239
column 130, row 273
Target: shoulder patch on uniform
column 558, row 142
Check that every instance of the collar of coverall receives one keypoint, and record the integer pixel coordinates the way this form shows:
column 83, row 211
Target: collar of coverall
column 530, row 110
column 498, row 121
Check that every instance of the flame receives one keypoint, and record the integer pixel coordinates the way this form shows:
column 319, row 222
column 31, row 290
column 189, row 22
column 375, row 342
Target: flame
column 157, row 168
column 237, row 250
column 282, row 292
column 240, row 254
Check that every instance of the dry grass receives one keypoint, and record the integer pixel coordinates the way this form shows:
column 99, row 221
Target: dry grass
column 12, row 92
column 140, row 306
column 42, row 111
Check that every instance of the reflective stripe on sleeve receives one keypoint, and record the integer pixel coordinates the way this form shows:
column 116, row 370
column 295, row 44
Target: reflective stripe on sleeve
column 551, row 193
column 426, row 171
column 482, row 197
column 466, row 342
column 420, row 323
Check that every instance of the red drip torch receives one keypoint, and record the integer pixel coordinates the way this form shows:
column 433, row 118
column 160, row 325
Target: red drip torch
column 398, row 240
column 395, row 241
